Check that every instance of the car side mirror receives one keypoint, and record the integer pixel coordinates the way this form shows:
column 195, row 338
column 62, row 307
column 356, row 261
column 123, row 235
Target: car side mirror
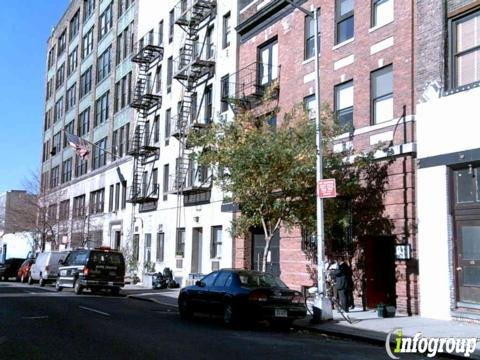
column 200, row 283
column 61, row 262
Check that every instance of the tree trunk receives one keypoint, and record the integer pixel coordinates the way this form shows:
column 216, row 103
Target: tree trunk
column 266, row 249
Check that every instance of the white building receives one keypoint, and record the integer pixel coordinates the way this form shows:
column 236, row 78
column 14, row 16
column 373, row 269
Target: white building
column 448, row 186
column 139, row 191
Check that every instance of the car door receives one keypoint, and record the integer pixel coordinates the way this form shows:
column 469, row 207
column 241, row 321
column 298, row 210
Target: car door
column 219, row 292
column 200, row 294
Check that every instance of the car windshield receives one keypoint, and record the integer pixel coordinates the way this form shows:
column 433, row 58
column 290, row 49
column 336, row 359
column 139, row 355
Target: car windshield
column 253, row 280
column 107, row 258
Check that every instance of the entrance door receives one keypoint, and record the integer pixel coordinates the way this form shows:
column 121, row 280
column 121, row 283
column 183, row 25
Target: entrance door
column 380, row 270
column 197, row 235
column 258, row 245
column 468, row 261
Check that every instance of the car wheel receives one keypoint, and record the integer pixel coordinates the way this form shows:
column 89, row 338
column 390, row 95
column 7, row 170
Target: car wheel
column 77, row 288
column 184, row 309
column 30, row 280
column 57, row 286
column 41, row 282
column 229, row 317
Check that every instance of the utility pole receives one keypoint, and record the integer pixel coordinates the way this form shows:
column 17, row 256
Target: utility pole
column 322, row 308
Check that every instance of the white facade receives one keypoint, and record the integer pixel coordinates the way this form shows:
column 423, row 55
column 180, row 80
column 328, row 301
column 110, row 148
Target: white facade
column 447, row 133
column 129, row 222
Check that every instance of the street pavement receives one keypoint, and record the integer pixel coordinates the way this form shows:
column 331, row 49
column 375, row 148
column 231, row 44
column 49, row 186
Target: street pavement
column 39, row 323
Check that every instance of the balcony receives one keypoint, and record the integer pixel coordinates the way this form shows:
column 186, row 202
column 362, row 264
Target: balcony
column 191, row 13
column 196, row 180
column 142, row 193
column 252, row 86
column 148, row 50
column 194, row 63
column 144, row 97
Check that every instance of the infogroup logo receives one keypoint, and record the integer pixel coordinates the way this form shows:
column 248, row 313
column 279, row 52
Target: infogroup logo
column 429, row 346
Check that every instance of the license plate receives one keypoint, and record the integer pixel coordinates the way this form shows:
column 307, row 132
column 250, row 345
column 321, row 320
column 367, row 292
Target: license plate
column 281, row 313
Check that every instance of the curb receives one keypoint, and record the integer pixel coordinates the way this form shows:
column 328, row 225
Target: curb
column 359, row 337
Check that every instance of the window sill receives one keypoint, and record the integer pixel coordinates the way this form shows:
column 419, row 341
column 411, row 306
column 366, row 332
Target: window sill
column 376, row 27
column 346, row 42
column 458, row 89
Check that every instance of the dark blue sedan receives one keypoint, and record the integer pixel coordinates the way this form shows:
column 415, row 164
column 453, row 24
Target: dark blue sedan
column 242, row 294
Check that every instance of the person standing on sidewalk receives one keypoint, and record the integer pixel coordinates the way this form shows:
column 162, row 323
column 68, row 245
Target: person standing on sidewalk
column 340, row 276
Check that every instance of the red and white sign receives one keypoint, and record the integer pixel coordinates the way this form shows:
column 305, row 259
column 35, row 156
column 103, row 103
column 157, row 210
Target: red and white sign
column 326, row 188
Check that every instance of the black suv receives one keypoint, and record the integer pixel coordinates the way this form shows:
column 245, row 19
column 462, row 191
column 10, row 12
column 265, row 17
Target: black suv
column 93, row 269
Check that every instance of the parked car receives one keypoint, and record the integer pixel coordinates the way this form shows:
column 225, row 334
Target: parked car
column 45, row 268
column 24, row 271
column 9, row 268
column 94, row 269
column 242, row 294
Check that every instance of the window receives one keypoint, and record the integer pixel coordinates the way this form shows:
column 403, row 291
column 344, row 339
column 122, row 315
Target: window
column 72, row 61
column 48, row 119
column 96, row 201
column 110, row 198
column 52, row 213
column 105, row 20
column 158, row 78
column 147, row 256
column 310, row 36
column 160, row 33
column 168, row 120
column 60, row 76
column 49, row 92
column 69, row 129
column 74, row 25
column 87, row 43
column 84, row 122
column 309, row 103
column 227, row 29
column 124, row 194
column 160, row 246
column 210, row 51
column 180, row 242
column 124, row 43
column 465, row 45
column 382, row 12
column 46, row 150
column 169, row 73
column 101, row 109
column 208, row 104
column 216, row 242
column 117, row 196
column 88, row 8
column 81, row 166
column 62, row 43
column 155, row 187
column 156, row 129
column 58, row 111
column 56, row 142
column 51, row 57
column 86, row 82
column 344, row 104
column 67, row 170
column 165, row 181
column 123, row 92
column 104, row 65
column 382, row 94
column 99, row 154
column 78, row 206
column 71, row 97
column 136, row 246
column 268, row 66
column 64, row 210
column 225, row 93
column 344, row 20
column 120, row 141
column 210, row 278
column 54, row 176
column 171, row 25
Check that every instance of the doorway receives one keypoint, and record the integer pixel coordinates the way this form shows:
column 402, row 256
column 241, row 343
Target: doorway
column 380, row 270
column 258, row 245
column 197, row 235
column 467, row 267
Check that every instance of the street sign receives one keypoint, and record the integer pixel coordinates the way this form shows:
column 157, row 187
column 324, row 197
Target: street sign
column 326, row 188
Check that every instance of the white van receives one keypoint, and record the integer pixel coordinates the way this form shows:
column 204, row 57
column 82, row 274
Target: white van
column 45, row 268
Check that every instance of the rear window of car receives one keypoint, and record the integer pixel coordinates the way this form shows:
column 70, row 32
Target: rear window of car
column 107, row 258
column 253, row 280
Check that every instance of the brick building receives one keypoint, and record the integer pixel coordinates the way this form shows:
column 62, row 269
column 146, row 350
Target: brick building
column 448, row 79
column 367, row 78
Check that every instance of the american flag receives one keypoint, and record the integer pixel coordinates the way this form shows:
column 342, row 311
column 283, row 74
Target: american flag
column 80, row 145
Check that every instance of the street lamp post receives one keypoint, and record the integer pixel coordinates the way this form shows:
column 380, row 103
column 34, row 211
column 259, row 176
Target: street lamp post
column 322, row 305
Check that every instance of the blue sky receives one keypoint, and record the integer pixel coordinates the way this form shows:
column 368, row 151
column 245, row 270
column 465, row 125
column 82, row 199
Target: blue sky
column 24, row 29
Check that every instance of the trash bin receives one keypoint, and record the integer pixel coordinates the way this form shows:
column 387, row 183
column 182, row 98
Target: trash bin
column 385, row 311
column 381, row 310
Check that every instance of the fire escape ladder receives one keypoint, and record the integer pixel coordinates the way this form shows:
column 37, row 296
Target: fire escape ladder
column 146, row 102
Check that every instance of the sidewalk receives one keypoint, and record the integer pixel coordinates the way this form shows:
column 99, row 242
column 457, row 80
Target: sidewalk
column 367, row 326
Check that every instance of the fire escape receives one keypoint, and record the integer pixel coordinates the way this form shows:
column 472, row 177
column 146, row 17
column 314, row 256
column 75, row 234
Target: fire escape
column 192, row 68
column 144, row 188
